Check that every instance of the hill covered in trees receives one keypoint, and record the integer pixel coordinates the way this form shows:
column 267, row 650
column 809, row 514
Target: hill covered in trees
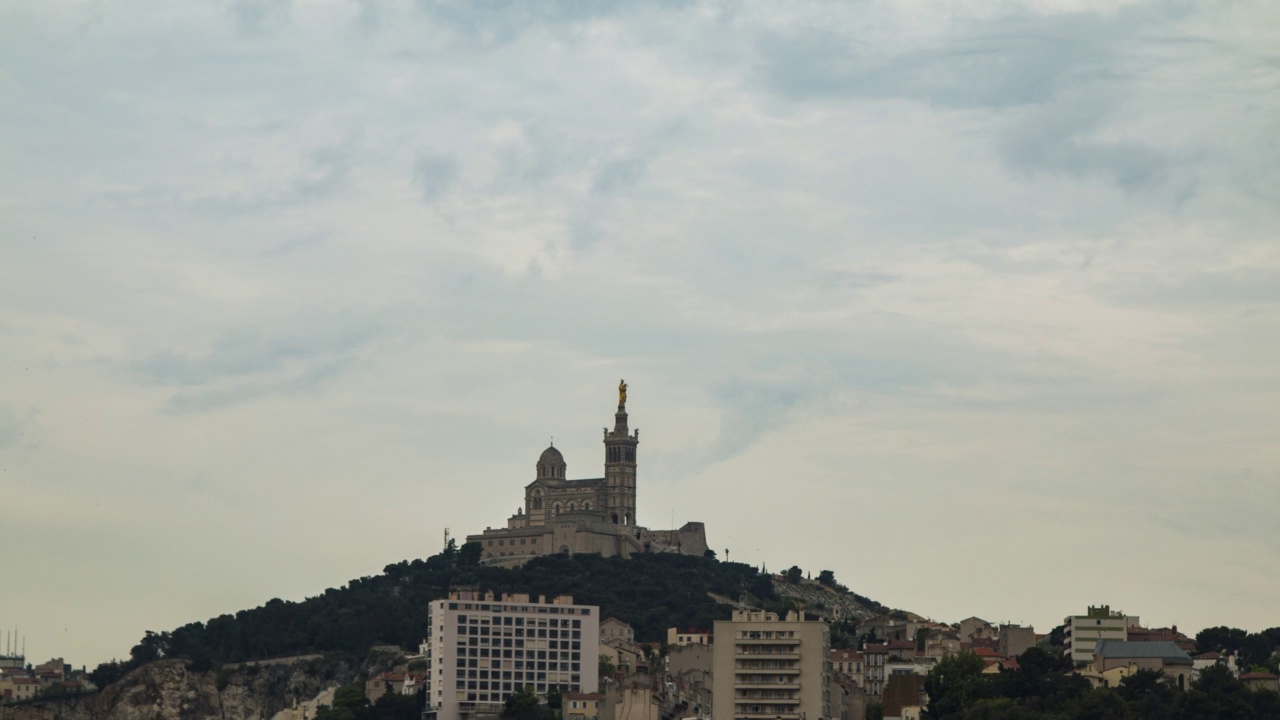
column 651, row 592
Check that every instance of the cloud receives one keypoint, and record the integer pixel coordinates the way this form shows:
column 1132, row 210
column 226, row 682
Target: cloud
column 496, row 22
column 1057, row 140
column 255, row 18
column 435, row 174
column 287, row 356
column 618, row 174
column 1060, row 77
column 14, row 426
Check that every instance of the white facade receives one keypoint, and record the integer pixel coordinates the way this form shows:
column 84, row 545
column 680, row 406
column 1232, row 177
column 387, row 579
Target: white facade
column 1082, row 632
column 480, row 650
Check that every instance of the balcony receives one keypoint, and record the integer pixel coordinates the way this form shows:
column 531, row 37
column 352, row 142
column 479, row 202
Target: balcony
column 741, row 668
column 758, row 700
column 766, row 686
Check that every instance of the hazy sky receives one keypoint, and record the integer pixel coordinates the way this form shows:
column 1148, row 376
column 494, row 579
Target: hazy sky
column 975, row 303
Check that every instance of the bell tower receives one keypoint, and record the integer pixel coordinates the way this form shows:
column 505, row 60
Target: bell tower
column 620, row 465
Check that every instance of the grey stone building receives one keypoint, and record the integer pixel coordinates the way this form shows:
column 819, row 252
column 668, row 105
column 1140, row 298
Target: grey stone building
column 590, row 515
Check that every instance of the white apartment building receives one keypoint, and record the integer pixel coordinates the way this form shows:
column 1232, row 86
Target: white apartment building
column 480, row 650
column 1082, row 632
column 766, row 668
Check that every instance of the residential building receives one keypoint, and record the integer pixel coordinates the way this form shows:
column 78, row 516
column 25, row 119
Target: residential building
column 1261, row 680
column 1210, row 659
column 581, row 706
column 975, row 628
column 941, row 643
column 481, row 649
column 591, row 515
column 876, row 655
column 23, row 688
column 626, row 657
column 1082, row 632
column 848, row 700
column 1137, row 633
column 902, row 649
column 686, row 658
column 611, row 628
column 849, row 663
column 382, row 684
column 766, row 667
column 691, row 636
column 1162, row 655
column 637, row 698
column 901, row 692
column 1015, row 640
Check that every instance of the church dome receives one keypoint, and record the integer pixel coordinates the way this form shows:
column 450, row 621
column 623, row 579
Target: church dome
column 551, row 464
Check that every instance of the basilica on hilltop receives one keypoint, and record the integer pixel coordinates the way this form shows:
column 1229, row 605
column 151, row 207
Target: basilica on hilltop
column 592, row 515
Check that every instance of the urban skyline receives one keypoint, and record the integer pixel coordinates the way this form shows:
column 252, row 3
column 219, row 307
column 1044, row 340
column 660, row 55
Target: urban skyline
column 976, row 306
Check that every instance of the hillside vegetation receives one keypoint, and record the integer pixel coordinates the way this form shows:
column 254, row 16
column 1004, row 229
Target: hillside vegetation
column 651, row 592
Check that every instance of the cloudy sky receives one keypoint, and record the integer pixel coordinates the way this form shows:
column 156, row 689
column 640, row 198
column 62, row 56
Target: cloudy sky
column 975, row 303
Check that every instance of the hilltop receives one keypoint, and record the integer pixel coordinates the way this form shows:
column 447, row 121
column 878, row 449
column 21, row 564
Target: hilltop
column 651, row 592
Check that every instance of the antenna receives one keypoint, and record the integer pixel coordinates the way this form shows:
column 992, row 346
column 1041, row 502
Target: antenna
column 446, row 538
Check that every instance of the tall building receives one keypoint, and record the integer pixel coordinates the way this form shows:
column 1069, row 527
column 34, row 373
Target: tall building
column 480, row 650
column 765, row 667
column 1082, row 632
column 590, row 515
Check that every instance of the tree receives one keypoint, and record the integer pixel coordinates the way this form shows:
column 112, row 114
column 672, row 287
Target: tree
column 469, row 555
column 794, row 574
column 107, row 673
column 524, row 705
column 953, row 684
column 1221, row 639
column 1058, row 636
column 349, row 703
column 555, row 697
column 605, row 668
column 709, row 554
column 152, row 648
column 826, row 577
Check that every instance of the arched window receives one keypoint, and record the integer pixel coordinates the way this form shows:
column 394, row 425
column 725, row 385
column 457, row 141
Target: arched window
column 586, row 505
column 573, row 506
column 615, row 518
column 555, row 509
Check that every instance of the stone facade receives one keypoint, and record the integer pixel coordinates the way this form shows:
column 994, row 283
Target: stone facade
column 592, row 515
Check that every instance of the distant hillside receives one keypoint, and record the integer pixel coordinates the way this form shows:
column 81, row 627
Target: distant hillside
column 651, row 592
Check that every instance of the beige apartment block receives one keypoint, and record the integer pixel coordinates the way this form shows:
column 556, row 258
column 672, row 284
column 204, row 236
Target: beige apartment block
column 481, row 649
column 766, row 667
column 1082, row 632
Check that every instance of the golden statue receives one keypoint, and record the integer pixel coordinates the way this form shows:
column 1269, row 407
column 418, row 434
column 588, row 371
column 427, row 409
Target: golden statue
column 622, row 392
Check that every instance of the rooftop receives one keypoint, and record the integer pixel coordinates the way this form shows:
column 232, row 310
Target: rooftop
column 1166, row 650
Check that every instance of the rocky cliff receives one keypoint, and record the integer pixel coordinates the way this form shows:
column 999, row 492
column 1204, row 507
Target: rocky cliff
column 823, row 601
column 167, row 690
